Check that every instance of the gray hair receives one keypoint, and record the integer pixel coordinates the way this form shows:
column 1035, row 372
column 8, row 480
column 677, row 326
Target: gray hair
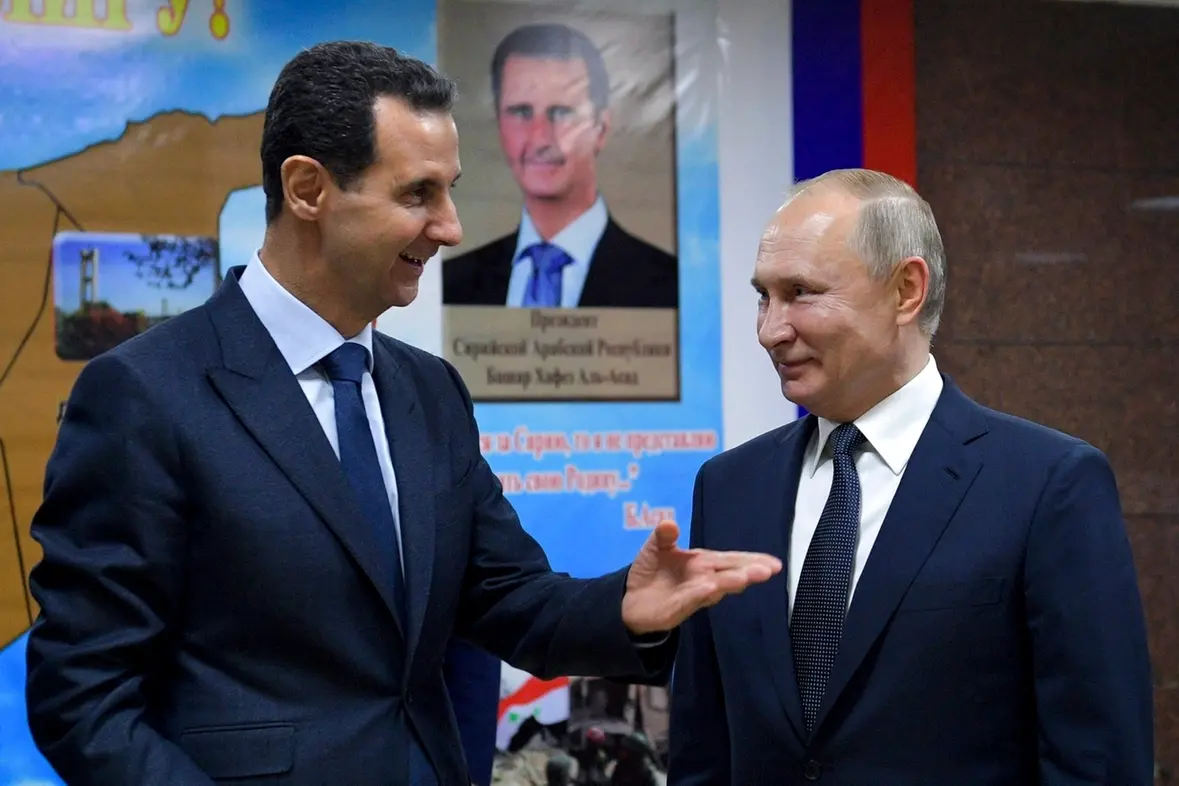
column 894, row 223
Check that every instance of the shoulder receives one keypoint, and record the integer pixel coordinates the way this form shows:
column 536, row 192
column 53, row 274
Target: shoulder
column 1025, row 441
column 1027, row 461
column 161, row 356
column 635, row 247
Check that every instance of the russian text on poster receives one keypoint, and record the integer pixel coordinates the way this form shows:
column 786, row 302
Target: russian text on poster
column 602, row 354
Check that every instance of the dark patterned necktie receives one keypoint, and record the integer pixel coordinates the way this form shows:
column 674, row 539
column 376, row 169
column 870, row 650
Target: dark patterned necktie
column 820, row 603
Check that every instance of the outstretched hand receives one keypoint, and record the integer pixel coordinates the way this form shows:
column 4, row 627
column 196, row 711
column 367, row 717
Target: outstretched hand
column 667, row 584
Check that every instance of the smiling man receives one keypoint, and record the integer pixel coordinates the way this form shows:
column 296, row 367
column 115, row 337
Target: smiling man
column 264, row 522
column 959, row 603
column 551, row 92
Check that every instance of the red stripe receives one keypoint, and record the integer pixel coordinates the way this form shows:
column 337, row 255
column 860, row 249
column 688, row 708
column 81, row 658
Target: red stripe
column 530, row 691
column 890, row 115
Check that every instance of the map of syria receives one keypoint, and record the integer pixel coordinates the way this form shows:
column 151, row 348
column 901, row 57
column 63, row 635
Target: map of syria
column 168, row 175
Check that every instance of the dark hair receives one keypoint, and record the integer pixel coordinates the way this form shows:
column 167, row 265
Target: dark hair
column 322, row 106
column 557, row 41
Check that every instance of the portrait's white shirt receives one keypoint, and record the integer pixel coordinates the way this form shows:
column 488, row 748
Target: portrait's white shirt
column 579, row 240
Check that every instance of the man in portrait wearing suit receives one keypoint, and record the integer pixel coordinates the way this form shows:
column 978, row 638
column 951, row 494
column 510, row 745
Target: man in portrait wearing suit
column 264, row 522
column 959, row 603
column 551, row 92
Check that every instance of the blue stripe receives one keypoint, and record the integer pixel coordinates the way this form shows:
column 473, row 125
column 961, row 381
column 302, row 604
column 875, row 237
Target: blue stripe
column 828, row 84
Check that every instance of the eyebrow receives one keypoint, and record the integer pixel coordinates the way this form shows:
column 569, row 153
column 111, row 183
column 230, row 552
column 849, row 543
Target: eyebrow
column 430, row 182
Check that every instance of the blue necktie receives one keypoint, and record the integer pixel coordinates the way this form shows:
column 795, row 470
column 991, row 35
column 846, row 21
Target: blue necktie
column 345, row 367
column 544, row 285
column 820, row 603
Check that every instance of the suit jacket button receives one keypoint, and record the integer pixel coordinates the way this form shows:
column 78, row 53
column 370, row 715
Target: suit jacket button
column 812, row 771
column 407, row 698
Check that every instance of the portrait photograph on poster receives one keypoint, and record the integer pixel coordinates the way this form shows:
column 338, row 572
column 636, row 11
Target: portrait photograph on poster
column 566, row 286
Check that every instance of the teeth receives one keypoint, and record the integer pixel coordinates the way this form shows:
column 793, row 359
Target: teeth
column 413, row 259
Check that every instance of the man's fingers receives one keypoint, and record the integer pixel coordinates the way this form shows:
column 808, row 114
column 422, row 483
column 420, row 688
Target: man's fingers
column 737, row 579
column 665, row 535
column 710, row 591
column 731, row 560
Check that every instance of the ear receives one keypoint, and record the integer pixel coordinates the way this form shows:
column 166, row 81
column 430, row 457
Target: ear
column 604, row 122
column 304, row 181
column 911, row 281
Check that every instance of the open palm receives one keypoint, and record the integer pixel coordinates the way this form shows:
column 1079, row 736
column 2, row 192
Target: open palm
column 667, row 584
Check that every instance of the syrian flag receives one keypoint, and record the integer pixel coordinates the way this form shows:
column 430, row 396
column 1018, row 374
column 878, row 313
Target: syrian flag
column 522, row 696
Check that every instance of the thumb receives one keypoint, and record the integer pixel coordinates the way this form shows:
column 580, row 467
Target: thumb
column 665, row 535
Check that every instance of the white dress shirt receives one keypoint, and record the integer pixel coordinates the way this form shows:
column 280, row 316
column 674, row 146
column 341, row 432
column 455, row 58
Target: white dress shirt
column 304, row 338
column 891, row 430
column 578, row 240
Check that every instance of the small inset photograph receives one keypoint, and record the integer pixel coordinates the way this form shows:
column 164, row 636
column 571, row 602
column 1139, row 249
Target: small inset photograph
column 109, row 287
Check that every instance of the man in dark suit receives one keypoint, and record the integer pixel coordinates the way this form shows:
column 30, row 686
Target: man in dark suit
column 959, row 604
column 552, row 92
column 263, row 521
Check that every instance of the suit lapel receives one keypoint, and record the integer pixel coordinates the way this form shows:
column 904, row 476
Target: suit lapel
column 495, row 272
column 936, row 479
column 607, row 268
column 260, row 389
column 774, row 535
column 409, row 443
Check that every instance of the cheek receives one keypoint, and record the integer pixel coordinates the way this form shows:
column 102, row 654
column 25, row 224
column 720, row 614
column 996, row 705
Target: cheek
column 511, row 140
column 577, row 142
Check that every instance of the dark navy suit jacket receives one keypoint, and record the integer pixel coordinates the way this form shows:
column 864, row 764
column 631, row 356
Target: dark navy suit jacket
column 996, row 634
column 472, row 680
column 213, row 606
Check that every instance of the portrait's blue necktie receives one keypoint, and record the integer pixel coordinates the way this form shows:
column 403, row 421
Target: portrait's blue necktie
column 820, row 603
column 345, row 367
column 544, row 285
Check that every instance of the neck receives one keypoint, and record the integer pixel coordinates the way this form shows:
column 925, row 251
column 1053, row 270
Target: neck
column 293, row 257
column 550, row 216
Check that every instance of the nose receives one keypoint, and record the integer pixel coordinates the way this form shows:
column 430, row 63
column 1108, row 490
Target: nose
column 774, row 326
column 540, row 132
column 445, row 228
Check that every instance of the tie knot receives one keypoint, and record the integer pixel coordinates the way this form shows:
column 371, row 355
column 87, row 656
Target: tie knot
column 845, row 439
column 346, row 363
column 546, row 257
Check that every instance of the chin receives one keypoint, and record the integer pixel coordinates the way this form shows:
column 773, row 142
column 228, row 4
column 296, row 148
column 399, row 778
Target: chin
column 797, row 393
column 539, row 188
column 402, row 296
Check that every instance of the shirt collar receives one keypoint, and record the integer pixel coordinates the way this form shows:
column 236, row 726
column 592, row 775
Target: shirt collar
column 578, row 239
column 893, row 426
column 302, row 336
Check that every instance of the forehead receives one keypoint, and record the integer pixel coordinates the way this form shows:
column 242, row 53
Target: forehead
column 808, row 236
column 531, row 78
column 413, row 144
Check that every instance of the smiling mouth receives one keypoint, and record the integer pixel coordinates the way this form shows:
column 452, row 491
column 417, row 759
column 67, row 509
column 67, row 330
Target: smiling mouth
column 412, row 260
